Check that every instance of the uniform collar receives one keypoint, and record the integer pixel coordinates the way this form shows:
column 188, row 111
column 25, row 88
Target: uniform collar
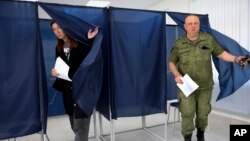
column 200, row 38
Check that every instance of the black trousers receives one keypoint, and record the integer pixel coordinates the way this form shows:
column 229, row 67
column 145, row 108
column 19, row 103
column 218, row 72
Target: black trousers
column 79, row 121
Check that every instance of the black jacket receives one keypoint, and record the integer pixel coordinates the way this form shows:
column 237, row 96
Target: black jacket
column 77, row 55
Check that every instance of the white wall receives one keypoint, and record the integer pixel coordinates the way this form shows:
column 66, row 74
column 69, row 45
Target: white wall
column 232, row 18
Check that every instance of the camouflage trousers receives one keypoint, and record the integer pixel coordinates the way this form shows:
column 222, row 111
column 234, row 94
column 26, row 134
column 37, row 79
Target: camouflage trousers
column 195, row 110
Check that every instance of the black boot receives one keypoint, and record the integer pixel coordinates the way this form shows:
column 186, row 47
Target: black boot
column 188, row 137
column 200, row 135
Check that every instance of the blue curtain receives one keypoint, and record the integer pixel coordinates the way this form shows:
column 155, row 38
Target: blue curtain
column 141, row 62
column 138, row 62
column 23, row 90
column 87, row 81
column 55, row 102
column 146, row 94
column 231, row 77
column 172, row 33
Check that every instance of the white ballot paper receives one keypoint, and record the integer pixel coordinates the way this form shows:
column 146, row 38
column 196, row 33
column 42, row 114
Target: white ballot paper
column 62, row 68
column 188, row 85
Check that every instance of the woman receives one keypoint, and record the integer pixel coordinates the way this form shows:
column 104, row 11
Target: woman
column 72, row 53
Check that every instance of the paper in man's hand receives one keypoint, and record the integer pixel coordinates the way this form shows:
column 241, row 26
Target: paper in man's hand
column 188, row 86
column 62, row 68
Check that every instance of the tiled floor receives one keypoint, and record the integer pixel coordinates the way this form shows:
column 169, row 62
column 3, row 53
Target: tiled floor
column 130, row 129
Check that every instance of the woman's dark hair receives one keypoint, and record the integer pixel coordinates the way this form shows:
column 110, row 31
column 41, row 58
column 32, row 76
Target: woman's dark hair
column 60, row 42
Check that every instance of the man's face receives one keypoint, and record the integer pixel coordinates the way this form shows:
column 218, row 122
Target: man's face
column 192, row 25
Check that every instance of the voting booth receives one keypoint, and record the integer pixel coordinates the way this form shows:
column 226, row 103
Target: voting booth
column 124, row 75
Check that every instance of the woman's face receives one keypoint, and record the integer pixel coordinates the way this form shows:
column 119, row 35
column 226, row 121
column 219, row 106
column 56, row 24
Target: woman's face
column 58, row 31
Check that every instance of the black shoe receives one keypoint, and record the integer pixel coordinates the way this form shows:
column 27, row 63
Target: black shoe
column 200, row 135
column 188, row 137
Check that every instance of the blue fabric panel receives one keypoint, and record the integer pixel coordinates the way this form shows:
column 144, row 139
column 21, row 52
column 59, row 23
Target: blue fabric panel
column 76, row 29
column 172, row 33
column 179, row 18
column 81, row 18
column 55, row 104
column 87, row 81
column 42, row 83
column 231, row 77
column 138, row 62
column 21, row 85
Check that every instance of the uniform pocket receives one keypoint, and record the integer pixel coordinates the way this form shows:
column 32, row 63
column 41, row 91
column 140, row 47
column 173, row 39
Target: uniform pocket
column 185, row 55
column 205, row 52
column 183, row 50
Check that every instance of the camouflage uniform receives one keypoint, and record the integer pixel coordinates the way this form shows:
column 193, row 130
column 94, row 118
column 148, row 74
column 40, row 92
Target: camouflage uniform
column 194, row 58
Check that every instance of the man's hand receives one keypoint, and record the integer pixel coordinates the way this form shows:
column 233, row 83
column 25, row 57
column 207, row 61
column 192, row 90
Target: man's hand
column 243, row 61
column 178, row 80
